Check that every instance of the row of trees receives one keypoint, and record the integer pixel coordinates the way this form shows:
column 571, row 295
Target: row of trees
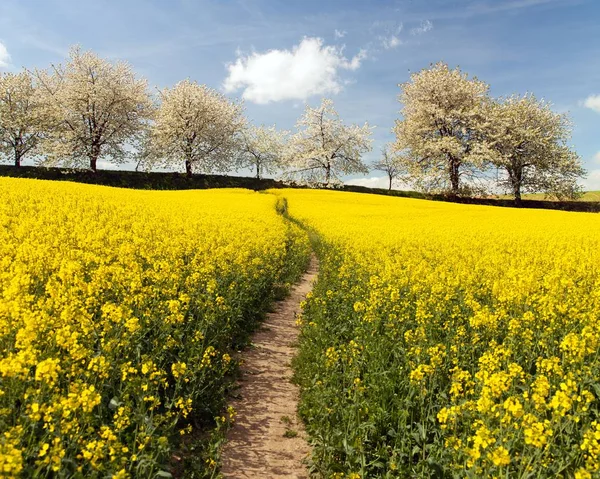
column 90, row 110
column 452, row 133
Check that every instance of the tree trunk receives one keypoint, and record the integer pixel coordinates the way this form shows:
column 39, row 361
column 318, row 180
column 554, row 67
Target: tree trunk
column 258, row 171
column 518, row 196
column 18, row 151
column 516, row 184
column 454, row 176
column 188, row 168
column 327, row 173
column 516, row 179
column 95, row 154
column 391, row 179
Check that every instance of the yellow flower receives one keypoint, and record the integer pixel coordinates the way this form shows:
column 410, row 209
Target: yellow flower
column 536, row 432
column 178, row 369
column 582, row 474
column 47, row 370
column 500, row 456
column 113, row 303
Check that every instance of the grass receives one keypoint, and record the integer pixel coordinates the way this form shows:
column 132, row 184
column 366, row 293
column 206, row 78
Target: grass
column 286, row 420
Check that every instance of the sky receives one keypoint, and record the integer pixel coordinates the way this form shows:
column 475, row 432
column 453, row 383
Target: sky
column 279, row 56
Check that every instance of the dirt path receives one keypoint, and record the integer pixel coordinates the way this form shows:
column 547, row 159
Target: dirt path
column 261, row 444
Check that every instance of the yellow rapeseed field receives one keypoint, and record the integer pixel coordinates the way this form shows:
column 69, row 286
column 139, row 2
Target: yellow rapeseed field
column 441, row 340
column 447, row 340
column 118, row 313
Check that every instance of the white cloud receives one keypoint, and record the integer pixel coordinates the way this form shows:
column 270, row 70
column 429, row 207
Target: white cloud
column 354, row 64
column 390, row 42
column 424, row 28
column 592, row 182
column 310, row 68
column 4, row 56
column 592, row 102
column 597, row 157
column 340, row 33
column 389, row 34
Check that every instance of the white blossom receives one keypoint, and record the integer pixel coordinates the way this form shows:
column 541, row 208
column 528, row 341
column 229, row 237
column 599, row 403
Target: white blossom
column 443, row 115
column 98, row 109
column 529, row 143
column 262, row 148
column 197, row 125
column 22, row 120
column 324, row 148
column 394, row 164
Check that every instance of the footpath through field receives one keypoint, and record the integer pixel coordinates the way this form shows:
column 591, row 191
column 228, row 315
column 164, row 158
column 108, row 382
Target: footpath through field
column 267, row 439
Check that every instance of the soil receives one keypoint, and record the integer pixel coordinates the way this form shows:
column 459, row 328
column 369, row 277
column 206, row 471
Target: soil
column 267, row 439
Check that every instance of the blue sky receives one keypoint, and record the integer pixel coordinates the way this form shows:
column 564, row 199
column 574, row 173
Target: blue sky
column 355, row 52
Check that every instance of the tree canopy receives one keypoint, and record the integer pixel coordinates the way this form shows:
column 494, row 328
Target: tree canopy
column 198, row 125
column 392, row 163
column 98, row 109
column 22, row 122
column 324, row 148
column 262, row 149
column 454, row 133
column 443, row 114
column 528, row 142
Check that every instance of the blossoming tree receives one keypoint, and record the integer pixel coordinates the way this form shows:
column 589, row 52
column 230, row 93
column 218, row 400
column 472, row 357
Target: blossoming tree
column 325, row 148
column 443, row 115
column 262, row 148
column 22, row 123
column 98, row 109
column 197, row 124
column 529, row 143
column 392, row 163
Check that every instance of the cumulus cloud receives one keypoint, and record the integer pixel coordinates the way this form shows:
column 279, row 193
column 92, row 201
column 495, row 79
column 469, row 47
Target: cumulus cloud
column 4, row 56
column 310, row 68
column 340, row 33
column 423, row 28
column 597, row 157
column 592, row 102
